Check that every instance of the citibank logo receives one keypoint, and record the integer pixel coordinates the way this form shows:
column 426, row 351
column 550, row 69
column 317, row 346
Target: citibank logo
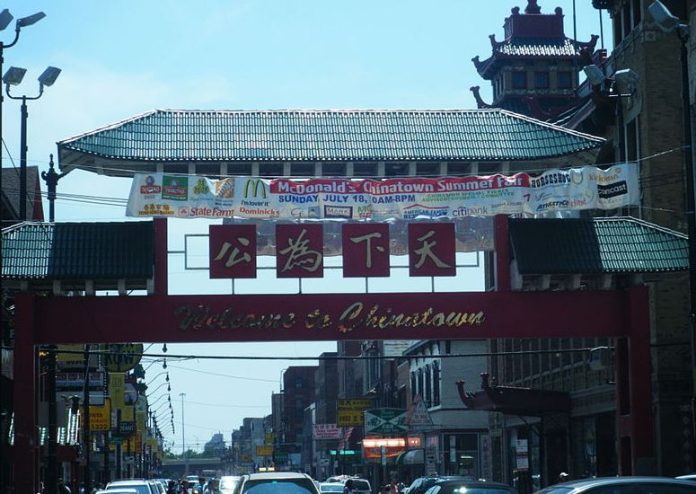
column 255, row 188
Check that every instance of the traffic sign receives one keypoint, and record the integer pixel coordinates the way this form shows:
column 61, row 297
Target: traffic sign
column 385, row 421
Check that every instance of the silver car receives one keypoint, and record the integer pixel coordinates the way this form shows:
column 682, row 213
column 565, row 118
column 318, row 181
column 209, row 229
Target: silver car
column 623, row 485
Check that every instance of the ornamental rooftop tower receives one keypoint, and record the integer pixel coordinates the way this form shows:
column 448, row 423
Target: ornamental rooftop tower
column 534, row 70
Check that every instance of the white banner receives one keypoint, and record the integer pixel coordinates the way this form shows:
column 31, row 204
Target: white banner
column 326, row 432
column 182, row 196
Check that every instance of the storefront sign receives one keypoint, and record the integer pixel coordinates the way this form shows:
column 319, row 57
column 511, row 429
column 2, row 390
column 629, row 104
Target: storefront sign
column 100, row 417
column 385, row 421
column 326, row 432
column 571, row 189
column 122, row 358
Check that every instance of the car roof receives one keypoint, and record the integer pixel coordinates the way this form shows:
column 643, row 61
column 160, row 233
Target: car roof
column 129, row 482
column 276, row 475
column 472, row 483
column 592, row 482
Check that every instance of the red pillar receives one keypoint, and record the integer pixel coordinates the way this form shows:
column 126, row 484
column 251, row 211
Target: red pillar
column 24, row 399
column 634, row 415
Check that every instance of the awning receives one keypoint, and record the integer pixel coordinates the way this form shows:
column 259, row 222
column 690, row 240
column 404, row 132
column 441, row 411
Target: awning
column 514, row 401
column 410, row 457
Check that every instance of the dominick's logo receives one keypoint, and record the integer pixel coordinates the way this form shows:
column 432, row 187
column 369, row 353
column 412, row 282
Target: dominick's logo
column 256, row 187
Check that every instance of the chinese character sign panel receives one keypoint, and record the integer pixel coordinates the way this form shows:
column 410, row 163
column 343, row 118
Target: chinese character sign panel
column 365, row 250
column 299, row 251
column 431, row 249
column 232, row 251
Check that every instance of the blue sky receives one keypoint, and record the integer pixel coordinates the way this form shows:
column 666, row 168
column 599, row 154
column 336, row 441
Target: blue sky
column 123, row 58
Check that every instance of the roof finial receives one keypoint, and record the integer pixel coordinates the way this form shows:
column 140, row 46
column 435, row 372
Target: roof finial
column 532, row 7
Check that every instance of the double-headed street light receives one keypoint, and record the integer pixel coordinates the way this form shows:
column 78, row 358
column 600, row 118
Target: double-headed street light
column 13, row 77
column 5, row 19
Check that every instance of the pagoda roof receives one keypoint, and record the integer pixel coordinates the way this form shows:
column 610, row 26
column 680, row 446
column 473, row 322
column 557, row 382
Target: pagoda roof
column 534, row 36
column 195, row 136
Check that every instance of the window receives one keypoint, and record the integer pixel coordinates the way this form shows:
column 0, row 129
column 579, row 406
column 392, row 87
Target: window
column 302, row 169
column 436, row 384
column 396, row 170
column 365, row 169
column 519, row 79
column 541, row 80
column 428, row 387
column 334, row 170
column 271, row 169
column 427, row 169
column 565, row 80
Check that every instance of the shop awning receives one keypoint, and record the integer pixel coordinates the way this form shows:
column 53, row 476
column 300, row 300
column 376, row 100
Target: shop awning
column 514, row 401
column 410, row 457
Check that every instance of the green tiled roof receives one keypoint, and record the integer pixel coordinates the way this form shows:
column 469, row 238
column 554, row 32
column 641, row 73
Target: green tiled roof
column 596, row 245
column 336, row 135
column 78, row 251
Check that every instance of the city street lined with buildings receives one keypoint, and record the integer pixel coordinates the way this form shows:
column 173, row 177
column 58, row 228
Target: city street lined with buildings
column 357, row 282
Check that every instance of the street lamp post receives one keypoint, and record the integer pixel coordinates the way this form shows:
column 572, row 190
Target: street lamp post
column 670, row 23
column 183, row 438
column 12, row 78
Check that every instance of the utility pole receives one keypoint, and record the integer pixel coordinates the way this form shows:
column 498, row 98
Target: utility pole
column 183, row 437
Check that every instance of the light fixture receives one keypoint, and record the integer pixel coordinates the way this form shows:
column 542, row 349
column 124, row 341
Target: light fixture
column 5, row 19
column 164, row 348
column 594, row 74
column 626, row 82
column 664, row 19
column 30, row 19
column 164, row 364
column 49, row 76
column 14, row 76
column 167, row 378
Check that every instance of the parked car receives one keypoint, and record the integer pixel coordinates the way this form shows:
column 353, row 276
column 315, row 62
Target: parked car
column 358, row 485
column 422, row 484
column 460, row 486
column 277, row 483
column 142, row 486
column 690, row 476
column 331, row 487
column 623, row 485
column 228, row 483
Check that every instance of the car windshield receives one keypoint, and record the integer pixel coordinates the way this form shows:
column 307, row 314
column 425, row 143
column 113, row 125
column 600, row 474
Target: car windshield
column 141, row 489
column 360, row 485
column 228, row 483
column 280, row 486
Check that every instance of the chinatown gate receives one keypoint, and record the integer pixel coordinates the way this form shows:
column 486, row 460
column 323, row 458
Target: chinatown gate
column 160, row 317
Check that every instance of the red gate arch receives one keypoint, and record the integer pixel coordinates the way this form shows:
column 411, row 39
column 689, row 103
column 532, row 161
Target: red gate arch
column 621, row 314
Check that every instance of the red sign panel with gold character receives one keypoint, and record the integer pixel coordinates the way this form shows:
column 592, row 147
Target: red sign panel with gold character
column 232, row 251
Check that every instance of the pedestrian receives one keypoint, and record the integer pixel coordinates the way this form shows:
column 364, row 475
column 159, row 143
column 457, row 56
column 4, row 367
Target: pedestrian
column 393, row 488
column 62, row 488
column 348, row 487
